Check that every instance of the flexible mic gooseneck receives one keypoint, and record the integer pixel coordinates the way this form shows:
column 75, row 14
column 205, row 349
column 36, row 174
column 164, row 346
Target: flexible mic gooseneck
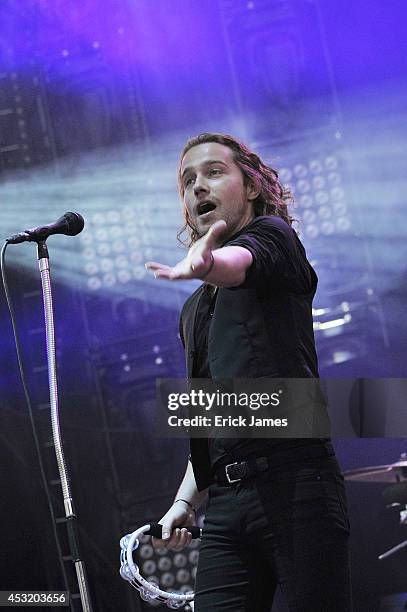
column 70, row 224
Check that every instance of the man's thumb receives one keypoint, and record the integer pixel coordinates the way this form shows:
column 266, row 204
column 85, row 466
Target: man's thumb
column 166, row 531
column 217, row 229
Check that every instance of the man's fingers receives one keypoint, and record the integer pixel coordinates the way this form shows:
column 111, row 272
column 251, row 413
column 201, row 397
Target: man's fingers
column 187, row 537
column 166, row 533
column 154, row 265
column 172, row 274
column 168, row 274
column 181, row 271
column 160, row 270
column 165, row 541
column 157, row 542
column 178, row 540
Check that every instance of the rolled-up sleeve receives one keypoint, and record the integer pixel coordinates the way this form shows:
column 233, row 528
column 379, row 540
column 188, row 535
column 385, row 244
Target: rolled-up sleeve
column 278, row 256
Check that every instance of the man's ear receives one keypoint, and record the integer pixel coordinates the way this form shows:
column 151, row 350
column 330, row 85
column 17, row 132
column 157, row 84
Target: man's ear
column 253, row 190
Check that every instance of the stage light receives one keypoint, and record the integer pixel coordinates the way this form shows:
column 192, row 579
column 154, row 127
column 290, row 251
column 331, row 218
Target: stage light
column 108, row 280
column 101, row 234
column 315, row 166
column 327, row 228
column 311, row 231
column 164, row 564
column 124, row 276
column 139, row 272
column 94, row 284
column 285, row 175
column 149, row 567
column 130, row 229
column 331, row 162
column 87, row 239
column 89, row 253
column 343, row 224
column 321, row 197
column 97, row 218
column 337, row 193
column 118, row 246
column 146, row 551
column 324, row 212
column 91, row 268
column 106, row 265
column 115, row 231
column 319, row 311
column 309, row 216
column 323, row 189
column 193, row 557
column 340, row 208
column 167, row 579
column 303, row 185
column 121, row 261
column 305, row 200
column 327, row 325
column 182, row 576
column 300, row 170
column 103, row 249
column 342, row 356
column 180, row 560
column 334, row 178
column 318, row 182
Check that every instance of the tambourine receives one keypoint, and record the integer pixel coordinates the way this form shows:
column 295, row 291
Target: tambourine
column 129, row 570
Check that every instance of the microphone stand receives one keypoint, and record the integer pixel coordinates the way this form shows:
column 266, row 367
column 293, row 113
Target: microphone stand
column 43, row 262
column 403, row 521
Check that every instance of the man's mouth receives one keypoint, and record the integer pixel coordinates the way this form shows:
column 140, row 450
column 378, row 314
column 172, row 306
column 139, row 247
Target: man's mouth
column 205, row 207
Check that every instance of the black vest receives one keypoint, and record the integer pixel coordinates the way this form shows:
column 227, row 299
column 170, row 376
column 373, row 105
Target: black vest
column 253, row 333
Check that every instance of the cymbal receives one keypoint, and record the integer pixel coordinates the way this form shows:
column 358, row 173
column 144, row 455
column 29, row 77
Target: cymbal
column 393, row 472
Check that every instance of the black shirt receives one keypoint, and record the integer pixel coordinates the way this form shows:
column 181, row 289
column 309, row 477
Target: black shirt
column 280, row 269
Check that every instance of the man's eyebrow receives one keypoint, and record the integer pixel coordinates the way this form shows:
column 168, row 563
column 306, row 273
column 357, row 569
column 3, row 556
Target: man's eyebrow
column 207, row 163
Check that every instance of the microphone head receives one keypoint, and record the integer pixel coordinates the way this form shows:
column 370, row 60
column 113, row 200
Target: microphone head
column 74, row 223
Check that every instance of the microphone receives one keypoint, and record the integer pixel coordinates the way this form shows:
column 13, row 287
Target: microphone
column 70, row 224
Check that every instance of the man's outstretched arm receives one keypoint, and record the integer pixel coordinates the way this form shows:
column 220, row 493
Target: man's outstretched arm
column 223, row 267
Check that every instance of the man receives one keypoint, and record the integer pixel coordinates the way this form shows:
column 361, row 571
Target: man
column 279, row 516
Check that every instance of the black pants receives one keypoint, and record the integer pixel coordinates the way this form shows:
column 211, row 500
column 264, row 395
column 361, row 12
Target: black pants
column 288, row 526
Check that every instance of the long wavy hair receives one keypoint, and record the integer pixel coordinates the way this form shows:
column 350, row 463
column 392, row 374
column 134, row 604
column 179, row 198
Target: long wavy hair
column 273, row 198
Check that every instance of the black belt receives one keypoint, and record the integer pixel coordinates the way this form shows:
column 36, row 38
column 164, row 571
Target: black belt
column 251, row 466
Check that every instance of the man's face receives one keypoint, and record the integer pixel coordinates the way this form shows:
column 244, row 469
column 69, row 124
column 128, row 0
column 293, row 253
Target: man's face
column 214, row 189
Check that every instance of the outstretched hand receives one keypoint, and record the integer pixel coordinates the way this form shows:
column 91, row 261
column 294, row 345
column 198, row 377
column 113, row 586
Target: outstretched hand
column 198, row 261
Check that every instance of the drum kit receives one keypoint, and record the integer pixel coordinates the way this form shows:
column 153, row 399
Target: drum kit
column 395, row 496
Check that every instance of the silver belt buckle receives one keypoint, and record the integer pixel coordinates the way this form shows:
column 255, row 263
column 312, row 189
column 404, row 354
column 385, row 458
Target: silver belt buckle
column 227, row 474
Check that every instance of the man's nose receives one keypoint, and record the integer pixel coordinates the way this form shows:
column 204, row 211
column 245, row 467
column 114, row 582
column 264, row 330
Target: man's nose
column 200, row 184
